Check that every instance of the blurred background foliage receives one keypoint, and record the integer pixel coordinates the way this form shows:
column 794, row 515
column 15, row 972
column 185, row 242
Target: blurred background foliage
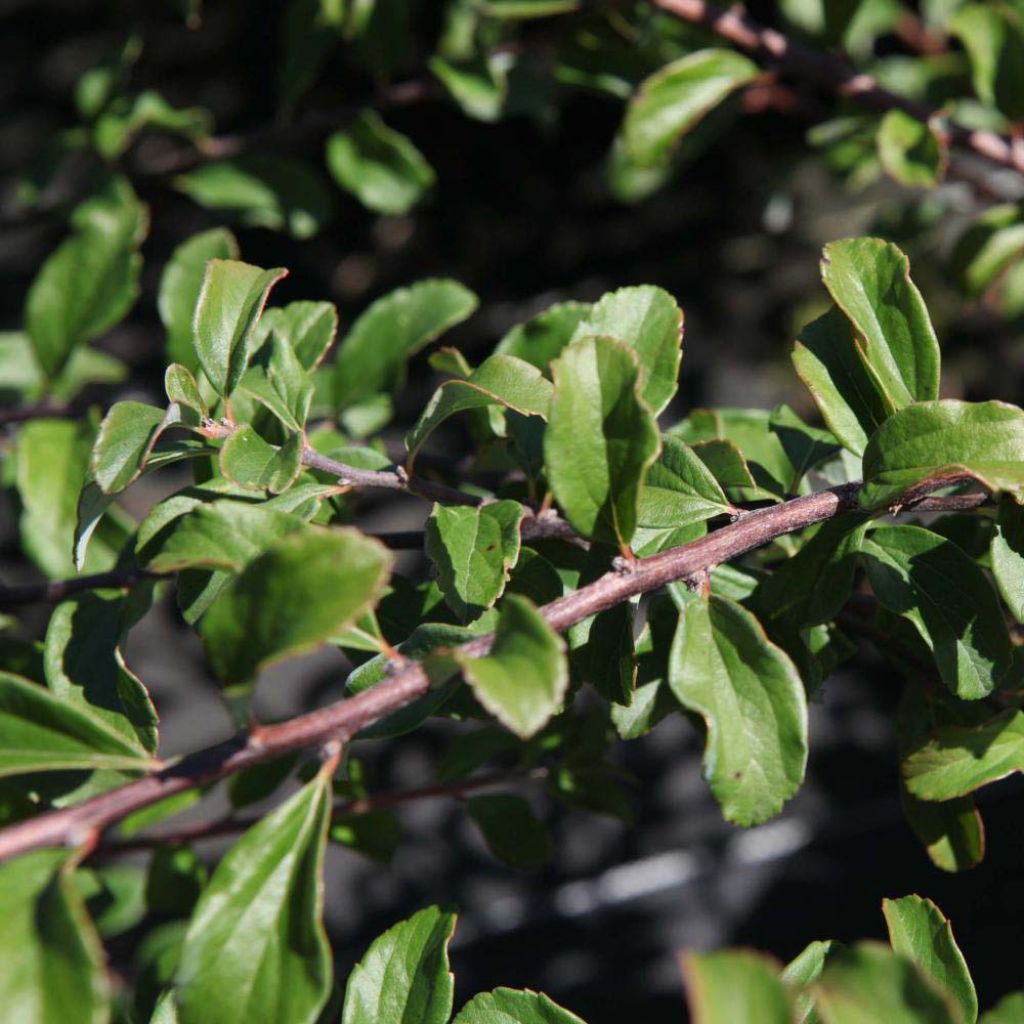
column 367, row 144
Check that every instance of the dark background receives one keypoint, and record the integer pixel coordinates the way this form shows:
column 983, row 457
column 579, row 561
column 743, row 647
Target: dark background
column 522, row 215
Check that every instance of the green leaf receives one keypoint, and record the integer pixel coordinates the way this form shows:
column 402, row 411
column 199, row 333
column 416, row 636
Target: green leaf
column 513, row 833
column 804, row 968
column 404, row 977
column 256, row 949
column 218, row 535
column 724, row 668
column 994, row 39
column 83, row 288
column 680, row 489
column 165, row 1012
column 51, row 971
column 277, row 380
column 649, row 321
column 302, row 589
column 123, row 120
column 921, row 447
column 920, row 931
column 948, row 599
column 230, row 302
column 52, row 458
column 959, row 759
column 263, row 190
column 85, row 666
column 911, row 150
column 373, row 355
column 379, row 166
column 521, row 9
column 181, row 387
column 473, row 549
column 952, row 831
column 181, row 284
column 868, row 983
column 1010, row 1010
column 831, row 362
column 500, row 380
column 734, row 987
column 675, row 99
column 1007, row 552
column 478, row 85
column 512, row 1006
column 869, row 279
column 307, row 327
column 601, row 439
column 988, row 248
column 375, row 834
column 523, row 680
column 247, row 460
column 126, row 436
column 542, row 338
column 40, row 732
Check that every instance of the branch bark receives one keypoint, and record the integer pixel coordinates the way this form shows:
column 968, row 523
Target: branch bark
column 769, row 46
column 82, row 823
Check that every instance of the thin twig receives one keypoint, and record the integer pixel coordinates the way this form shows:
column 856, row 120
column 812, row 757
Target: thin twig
column 54, row 591
column 409, row 681
column 233, row 824
column 768, row 45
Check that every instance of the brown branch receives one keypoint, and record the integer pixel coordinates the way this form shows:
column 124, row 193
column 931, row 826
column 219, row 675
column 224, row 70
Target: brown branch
column 231, row 825
column 768, row 45
column 409, row 681
column 46, row 409
column 54, row 591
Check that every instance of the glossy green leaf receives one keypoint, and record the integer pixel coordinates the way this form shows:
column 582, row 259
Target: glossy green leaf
column 1009, row 1010
column 83, row 288
column 734, row 987
column 601, row 439
column 473, row 548
column 85, row 666
column 478, row 85
column 523, row 680
column 51, row 970
column 912, row 151
column 651, row 323
column 218, row 535
column 307, row 327
column 404, row 977
column 256, row 950
column 502, row 381
column 302, row 589
column 373, row 355
column 247, row 460
column 1007, row 553
column 674, row 100
column 165, row 1011
column 928, row 443
column 40, row 732
column 993, row 36
column 382, row 168
column 869, row 279
column 277, row 380
column 52, row 459
column 946, row 596
column 232, row 297
column 180, row 285
column 830, row 360
column 543, row 337
column 959, row 759
column 952, row 831
column 513, row 1006
column 264, row 190
column 921, row 932
column 680, row 489
column 868, row 983
column 181, row 387
column 513, row 833
column 724, row 668
column 126, row 436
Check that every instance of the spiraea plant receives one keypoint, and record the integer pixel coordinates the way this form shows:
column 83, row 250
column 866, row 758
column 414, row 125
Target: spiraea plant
column 598, row 558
